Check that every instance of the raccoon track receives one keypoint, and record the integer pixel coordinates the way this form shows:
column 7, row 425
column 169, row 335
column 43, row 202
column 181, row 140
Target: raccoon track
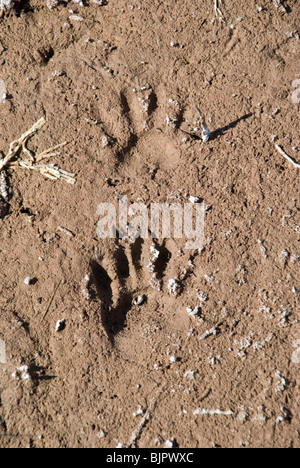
column 129, row 270
column 130, row 118
column 137, row 120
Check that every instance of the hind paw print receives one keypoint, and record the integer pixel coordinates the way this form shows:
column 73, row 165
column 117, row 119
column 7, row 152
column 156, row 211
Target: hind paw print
column 132, row 273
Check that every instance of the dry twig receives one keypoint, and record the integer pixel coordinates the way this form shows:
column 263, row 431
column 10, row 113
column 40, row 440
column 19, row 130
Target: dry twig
column 15, row 146
column 279, row 4
column 50, row 171
column 218, row 11
column 286, row 156
column 4, row 190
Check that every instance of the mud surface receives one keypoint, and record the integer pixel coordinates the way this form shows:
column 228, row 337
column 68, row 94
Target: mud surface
column 120, row 84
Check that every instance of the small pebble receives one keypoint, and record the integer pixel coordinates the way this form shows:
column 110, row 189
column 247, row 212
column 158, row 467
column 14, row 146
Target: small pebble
column 173, row 359
column 195, row 200
column 170, row 443
column 60, row 325
column 139, row 300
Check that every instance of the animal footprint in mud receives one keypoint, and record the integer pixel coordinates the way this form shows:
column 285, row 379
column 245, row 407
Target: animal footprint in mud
column 130, row 275
column 132, row 272
column 127, row 119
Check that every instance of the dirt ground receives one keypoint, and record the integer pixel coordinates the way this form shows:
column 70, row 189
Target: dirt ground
column 120, row 82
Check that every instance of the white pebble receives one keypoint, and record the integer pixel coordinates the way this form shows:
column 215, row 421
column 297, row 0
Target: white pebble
column 60, row 325
column 173, row 359
column 193, row 312
column 195, row 200
column 139, row 300
column 170, row 443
